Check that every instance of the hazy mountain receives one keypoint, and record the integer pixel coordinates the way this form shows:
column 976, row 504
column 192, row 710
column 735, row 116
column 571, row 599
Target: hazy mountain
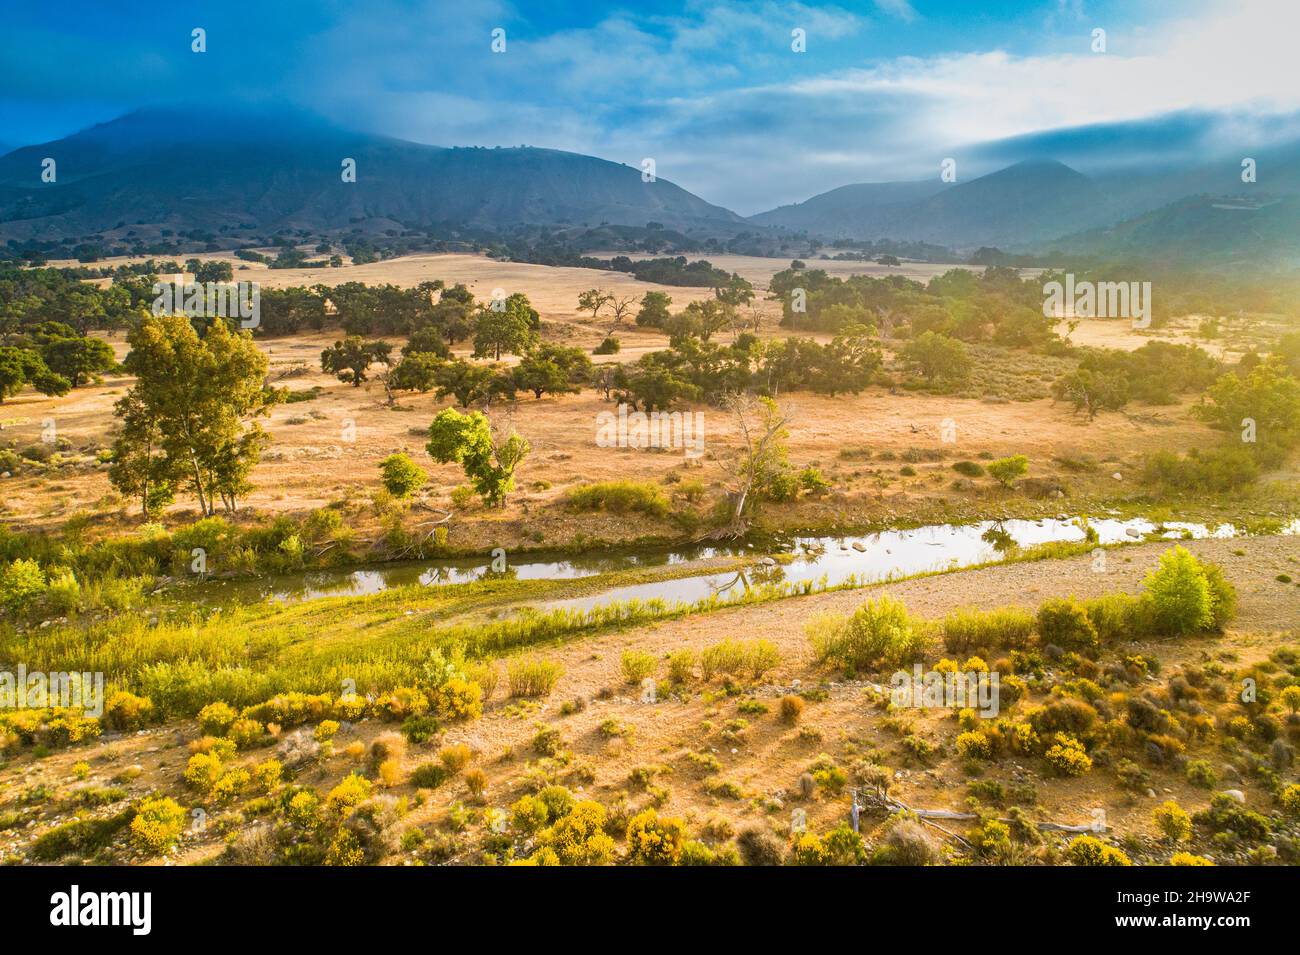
column 842, row 212
column 1013, row 208
column 1211, row 231
column 197, row 169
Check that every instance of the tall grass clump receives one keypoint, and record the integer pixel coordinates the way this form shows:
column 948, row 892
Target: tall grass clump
column 532, row 676
column 966, row 630
column 749, row 659
column 620, row 497
column 878, row 634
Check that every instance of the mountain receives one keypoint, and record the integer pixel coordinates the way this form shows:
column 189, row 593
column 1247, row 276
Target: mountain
column 1014, row 208
column 1205, row 230
column 842, row 212
column 199, row 169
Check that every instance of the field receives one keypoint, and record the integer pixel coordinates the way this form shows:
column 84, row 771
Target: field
column 461, row 723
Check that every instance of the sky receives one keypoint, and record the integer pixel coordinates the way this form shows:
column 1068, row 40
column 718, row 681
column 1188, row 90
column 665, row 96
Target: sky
column 714, row 91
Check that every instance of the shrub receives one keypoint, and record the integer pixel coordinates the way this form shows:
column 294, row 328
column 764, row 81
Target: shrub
column 1179, row 593
column 1090, row 851
column 1187, row 859
column 127, row 712
column 401, row 702
column 203, row 771
column 1114, row 616
column 429, row 775
column 418, row 729
column 792, row 708
column 974, row 746
column 681, row 665
column 529, row 814
column 21, row 583
column 215, row 718
column 455, row 757
column 579, row 838
column 748, row 658
column 968, row 468
column 907, row 842
column 1067, row 756
column 1290, row 799
column 655, row 840
column 532, row 676
column 637, row 665
column 1063, row 621
column 401, row 476
column 1225, row 815
column 348, row 794
column 880, row 633
column 485, row 675
column 1200, row 773
column 620, row 497
column 157, row 825
column 1006, row 470
column 459, row 699
column 758, row 845
column 1006, row 628
column 1170, row 819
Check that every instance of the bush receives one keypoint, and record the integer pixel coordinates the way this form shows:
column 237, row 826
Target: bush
column 1290, row 800
column 968, row 468
column 532, row 676
column 401, row 476
column 1170, row 819
column 1187, row 859
column 21, row 583
column 1225, row 815
column 127, row 712
column 964, row 630
column 879, row 634
column 1006, row 470
column 1067, row 756
column 579, row 838
column 1089, row 851
column 681, row 665
column 455, row 757
column 737, row 658
column 459, row 699
column 792, row 708
column 974, row 746
column 637, row 665
column 1180, row 594
column 759, row 846
column 655, row 840
column 907, row 842
column 620, row 497
column 1063, row 621
column 429, row 775
column 215, row 719
column 157, row 825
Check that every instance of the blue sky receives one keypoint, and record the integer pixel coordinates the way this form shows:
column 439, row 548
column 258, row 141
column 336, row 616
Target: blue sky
column 711, row 90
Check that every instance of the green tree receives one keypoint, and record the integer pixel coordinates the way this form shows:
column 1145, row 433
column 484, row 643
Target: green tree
column 509, row 329
column 553, row 369
column 352, row 357
column 78, row 358
column 654, row 310
column 938, row 357
column 1268, row 396
column 1091, row 391
column 402, row 477
column 196, row 397
column 466, row 439
column 23, row 366
column 593, row 300
column 1006, row 470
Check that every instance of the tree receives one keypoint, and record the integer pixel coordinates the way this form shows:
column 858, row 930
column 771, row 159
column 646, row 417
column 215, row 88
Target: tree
column 593, row 300
column 467, row 440
column 1267, row 396
column 938, row 356
column 554, row 369
column 654, row 310
column 141, row 468
column 194, row 400
column 1091, row 391
column 620, row 305
column 468, row 383
column 350, row 358
column 416, row 372
column 761, row 458
column 402, row 477
column 23, row 366
column 1006, row 470
column 509, row 329
column 78, row 358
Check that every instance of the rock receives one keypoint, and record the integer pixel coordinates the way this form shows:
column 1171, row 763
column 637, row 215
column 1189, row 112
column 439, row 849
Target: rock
column 1235, row 794
column 1132, row 532
column 1117, row 476
column 768, row 562
column 1151, row 794
column 860, row 547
